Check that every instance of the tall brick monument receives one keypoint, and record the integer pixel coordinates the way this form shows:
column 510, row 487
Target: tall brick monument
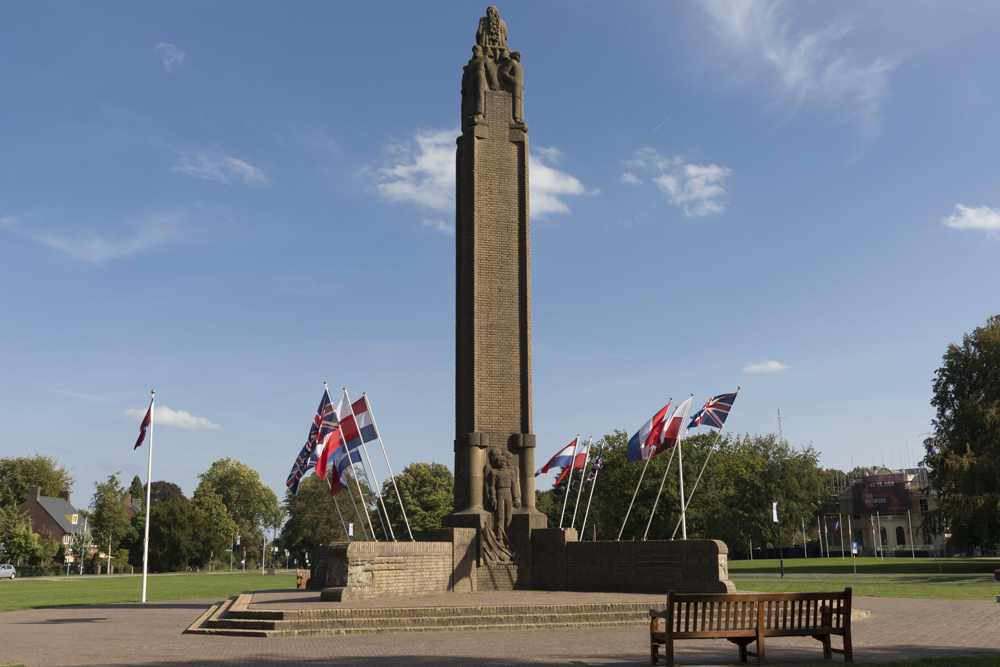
column 494, row 443
column 496, row 539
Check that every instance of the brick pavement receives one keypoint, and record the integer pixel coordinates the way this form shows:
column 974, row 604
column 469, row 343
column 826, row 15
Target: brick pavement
column 151, row 634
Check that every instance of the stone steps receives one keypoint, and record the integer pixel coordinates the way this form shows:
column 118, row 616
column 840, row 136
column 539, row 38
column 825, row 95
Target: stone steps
column 234, row 617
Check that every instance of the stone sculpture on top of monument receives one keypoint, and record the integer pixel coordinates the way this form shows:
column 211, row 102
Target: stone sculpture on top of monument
column 496, row 539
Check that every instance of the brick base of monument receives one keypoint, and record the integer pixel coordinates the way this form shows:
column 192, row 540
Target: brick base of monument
column 449, row 560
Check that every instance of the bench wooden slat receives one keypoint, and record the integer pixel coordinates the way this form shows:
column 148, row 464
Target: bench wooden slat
column 746, row 619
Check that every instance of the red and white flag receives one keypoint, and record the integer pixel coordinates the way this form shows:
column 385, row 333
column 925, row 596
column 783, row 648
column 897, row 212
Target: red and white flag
column 144, row 426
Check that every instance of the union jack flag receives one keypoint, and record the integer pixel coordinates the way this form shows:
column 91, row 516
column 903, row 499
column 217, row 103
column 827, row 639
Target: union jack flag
column 324, row 425
column 715, row 411
column 592, row 475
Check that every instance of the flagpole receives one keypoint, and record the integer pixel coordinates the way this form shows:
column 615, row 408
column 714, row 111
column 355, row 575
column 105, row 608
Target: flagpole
column 591, row 497
column 391, row 476
column 840, row 533
column 149, row 491
column 572, row 460
column 909, row 529
column 629, row 511
column 350, row 462
column 658, row 492
column 819, row 536
column 680, row 471
column 378, row 488
column 805, row 545
column 879, row 520
column 704, row 465
column 579, row 489
column 826, row 536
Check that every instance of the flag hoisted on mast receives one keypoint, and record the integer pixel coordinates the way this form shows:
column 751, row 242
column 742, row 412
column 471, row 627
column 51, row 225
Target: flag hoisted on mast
column 369, row 431
column 147, row 425
column 672, row 436
column 714, row 414
column 579, row 489
column 642, row 447
column 351, row 427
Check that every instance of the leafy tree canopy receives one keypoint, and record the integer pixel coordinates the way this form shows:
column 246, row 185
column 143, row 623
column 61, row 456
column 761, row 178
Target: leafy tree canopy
column 108, row 519
column 138, row 491
column 963, row 452
column 20, row 472
column 250, row 503
column 313, row 518
column 163, row 492
column 428, row 492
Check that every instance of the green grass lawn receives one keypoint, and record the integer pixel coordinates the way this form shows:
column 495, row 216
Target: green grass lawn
column 64, row 591
column 956, row 579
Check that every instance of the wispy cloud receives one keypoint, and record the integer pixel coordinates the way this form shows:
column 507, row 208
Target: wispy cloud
column 765, row 366
column 173, row 58
column 699, row 189
column 802, row 67
column 982, row 218
column 87, row 245
column 164, row 416
column 215, row 167
column 439, row 225
column 85, row 397
column 422, row 172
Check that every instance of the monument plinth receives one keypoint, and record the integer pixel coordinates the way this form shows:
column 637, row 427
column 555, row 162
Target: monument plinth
column 494, row 443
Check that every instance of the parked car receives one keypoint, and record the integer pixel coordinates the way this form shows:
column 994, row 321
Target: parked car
column 7, row 571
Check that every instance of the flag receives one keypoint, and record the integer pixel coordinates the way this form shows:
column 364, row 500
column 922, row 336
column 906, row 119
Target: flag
column 345, row 459
column 715, row 411
column 324, row 425
column 144, row 426
column 363, row 415
column 641, row 445
column 563, row 458
column 836, row 526
column 826, row 530
column 348, row 426
column 672, row 431
column 594, row 466
column 562, row 476
column 907, row 521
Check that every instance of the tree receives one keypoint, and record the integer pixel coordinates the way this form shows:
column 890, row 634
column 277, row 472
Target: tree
column 18, row 473
column 964, row 446
column 20, row 540
column 163, row 492
column 81, row 545
column 250, row 503
column 138, row 491
column 177, row 535
column 313, row 518
column 428, row 491
column 109, row 520
column 219, row 529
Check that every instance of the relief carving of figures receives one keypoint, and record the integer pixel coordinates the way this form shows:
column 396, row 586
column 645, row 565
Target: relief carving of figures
column 474, row 87
column 512, row 80
column 492, row 34
column 503, row 495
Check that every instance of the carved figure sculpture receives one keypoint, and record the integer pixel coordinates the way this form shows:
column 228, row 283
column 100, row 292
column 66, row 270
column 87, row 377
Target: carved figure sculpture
column 474, row 87
column 503, row 490
column 512, row 80
column 492, row 33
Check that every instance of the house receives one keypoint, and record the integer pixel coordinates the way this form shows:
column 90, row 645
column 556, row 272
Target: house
column 889, row 510
column 54, row 516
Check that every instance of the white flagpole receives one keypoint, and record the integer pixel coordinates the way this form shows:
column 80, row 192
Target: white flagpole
column 704, row 465
column 629, row 511
column 378, row 487
column 149, row 490
column 658, row 492
column 350, row 462
column 819, row 536
column 391, row 476
column 840, row 533
column 680, row 470
column 591, row 496
column 579, row 489
column 909, row 529
column 572, row 460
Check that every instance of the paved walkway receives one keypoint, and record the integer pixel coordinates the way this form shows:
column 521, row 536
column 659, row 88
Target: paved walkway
column 151, row 634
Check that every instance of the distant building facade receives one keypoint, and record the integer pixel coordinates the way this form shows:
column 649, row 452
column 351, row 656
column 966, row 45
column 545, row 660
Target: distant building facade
column 55, row 517
column 898, row 503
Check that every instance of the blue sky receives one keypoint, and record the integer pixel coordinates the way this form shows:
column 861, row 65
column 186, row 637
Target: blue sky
column 233, row 203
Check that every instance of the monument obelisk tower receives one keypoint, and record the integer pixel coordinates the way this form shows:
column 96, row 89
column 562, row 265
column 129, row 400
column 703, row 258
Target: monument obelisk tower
column 494, row 443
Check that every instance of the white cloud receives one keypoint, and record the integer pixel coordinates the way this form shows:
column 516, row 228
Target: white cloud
column 164, row 416
column 220, row 168
column 982, row 218
column 424, row 174
column 765, row 366
column 439, row 225
column 172, row 56
column 89, row 246
column 697, row 188
column 803, row 68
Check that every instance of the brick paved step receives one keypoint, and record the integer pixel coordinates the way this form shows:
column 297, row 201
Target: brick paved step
column 307, row 632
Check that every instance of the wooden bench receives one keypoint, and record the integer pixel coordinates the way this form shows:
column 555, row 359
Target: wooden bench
column 745, row 618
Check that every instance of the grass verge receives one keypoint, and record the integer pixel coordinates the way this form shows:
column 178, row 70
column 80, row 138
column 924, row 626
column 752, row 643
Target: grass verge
column 869, row 565
column 67, row 591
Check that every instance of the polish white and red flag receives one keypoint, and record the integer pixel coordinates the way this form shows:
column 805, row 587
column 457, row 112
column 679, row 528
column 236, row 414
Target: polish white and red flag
column 642, row 444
